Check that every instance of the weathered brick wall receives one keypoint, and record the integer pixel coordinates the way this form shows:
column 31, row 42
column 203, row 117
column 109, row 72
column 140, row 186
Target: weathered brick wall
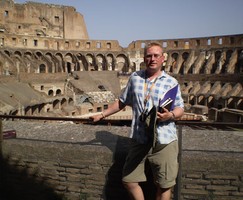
column 212, row 176
column 78, row 171
column 69, row 161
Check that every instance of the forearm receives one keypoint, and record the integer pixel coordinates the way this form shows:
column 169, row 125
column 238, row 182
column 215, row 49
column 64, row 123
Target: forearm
column 114, row 108
column 177, row 112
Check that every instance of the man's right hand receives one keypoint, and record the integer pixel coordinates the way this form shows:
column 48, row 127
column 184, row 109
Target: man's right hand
column 96, row 118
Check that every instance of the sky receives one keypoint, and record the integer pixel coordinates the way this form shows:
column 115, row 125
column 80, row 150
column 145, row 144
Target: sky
column 131, row 20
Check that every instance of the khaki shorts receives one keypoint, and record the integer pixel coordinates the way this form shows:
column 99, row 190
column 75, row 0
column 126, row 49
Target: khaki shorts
column 162, row 159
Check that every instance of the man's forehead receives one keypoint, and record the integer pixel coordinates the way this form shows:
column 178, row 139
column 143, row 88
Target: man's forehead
column 155, row 49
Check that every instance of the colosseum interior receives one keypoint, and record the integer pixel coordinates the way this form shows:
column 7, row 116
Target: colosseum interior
column 50, row 67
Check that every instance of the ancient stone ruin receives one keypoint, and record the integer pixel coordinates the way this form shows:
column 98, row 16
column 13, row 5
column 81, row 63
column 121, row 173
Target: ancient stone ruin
column 50, row 67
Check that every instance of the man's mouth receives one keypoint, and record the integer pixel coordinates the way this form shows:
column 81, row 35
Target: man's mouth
column 153, row 63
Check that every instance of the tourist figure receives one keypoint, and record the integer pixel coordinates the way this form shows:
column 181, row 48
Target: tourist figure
column 153, row 130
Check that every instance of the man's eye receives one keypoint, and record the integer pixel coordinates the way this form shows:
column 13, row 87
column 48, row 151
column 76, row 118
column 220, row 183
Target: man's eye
column 153, row 55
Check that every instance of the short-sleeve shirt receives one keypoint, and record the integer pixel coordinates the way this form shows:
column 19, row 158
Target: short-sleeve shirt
column 134, row 94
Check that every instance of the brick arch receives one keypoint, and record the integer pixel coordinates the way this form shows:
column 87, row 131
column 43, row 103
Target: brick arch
column 28, row 54
column 101, row 62
column 7, row 52
column 8, row 63
column 42, row 65
column 64, row 102
column 185, row 57
column 111, row 61
column 18, row 60
column 83, row 62
column 50, row 92
column 18, row 53
column 56, row 104
column 69, row 62
column 70, row 101
column 28, row 57
column 58, row 92
column 174, row 60
column 216, row 64
column 39, row 54
column 54, row 61
column 60, row 63
column 239, row 67
column 92, row 66
column 49, row 57
column 122, row 63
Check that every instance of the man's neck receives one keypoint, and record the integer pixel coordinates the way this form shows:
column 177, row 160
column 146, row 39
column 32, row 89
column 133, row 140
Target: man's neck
column 152, row 75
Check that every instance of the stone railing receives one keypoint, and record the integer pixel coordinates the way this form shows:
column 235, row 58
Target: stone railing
column 66, row 160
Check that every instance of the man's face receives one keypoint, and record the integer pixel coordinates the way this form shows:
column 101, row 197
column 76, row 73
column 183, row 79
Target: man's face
column 154, row 58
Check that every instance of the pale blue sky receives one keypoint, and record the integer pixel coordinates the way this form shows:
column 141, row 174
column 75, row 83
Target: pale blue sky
column 130, row 20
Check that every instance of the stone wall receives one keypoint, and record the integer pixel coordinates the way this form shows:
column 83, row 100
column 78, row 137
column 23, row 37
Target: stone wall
column 214, row 176
column 73, row 161
column 41, row 20
column 78, row 171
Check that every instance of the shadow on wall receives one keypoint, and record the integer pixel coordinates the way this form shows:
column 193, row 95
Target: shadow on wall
column 23, row 186
column 114, row 189
column 20, row 183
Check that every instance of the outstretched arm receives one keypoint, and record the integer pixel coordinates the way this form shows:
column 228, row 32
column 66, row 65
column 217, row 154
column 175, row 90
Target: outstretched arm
column 114, row 108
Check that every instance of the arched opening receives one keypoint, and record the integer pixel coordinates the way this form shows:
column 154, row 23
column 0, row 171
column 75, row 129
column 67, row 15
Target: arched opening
column 110, row 62
column 42, row 68
column 63, row 102
column 71, row 102
column 56, row 104
column 174, row 57
column 27, row 111
column 58, row 92
column 101, row 62
column 69, row 67
column 122, row 64
column 50, row 93
column 185, row 56
column 91, row 63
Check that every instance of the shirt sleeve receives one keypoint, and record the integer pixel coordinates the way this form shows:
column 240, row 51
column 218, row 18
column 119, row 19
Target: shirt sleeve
column 179, row 100
column 126, row 96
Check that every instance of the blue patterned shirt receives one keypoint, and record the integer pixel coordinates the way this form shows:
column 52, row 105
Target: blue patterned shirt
column 134, row 95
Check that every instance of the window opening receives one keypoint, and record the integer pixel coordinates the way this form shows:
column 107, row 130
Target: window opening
column 35, row 43
column 164, row 44
column 6, row 13
column 220, row 41
column 87, row 45
column 98, row 45
column 197, row 43
column 66, row 44
column 25, row 42
column 209, row 42
column 108, row 45
column 57, row 19
column 14, row 41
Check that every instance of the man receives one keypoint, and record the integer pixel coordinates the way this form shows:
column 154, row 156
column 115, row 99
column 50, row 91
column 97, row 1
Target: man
column 144, row 90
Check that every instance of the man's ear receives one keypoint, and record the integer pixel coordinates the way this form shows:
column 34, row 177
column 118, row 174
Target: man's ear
column 163, row 58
